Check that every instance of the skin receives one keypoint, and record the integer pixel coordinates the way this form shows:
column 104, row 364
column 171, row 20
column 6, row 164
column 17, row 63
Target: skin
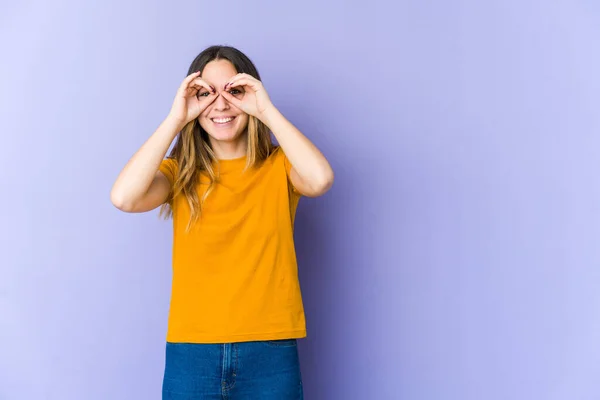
column 219, row 92
column 228, row 140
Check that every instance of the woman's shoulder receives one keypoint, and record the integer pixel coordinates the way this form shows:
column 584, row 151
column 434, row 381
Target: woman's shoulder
column 168, row 166
column 279, row 158
column 277, row 154
column 169, row 162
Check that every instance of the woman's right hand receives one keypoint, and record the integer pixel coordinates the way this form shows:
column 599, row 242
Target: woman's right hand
column 188, row 104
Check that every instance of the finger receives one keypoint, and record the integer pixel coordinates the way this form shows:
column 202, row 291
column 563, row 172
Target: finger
column 236, row 76
column 252, row 83
column 206, row 97
column 243, row 79
column 192, row 90
column 207, row 100
column 237, row 103
column 188, row 79
column 201, row 83
column 195, row 85
column 199, row 92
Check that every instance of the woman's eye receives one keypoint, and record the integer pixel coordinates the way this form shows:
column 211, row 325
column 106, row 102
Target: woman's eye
column 234, row 91
column 204, row 94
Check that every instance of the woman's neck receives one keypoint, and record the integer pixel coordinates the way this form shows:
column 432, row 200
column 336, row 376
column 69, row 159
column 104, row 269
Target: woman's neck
column 231, row 149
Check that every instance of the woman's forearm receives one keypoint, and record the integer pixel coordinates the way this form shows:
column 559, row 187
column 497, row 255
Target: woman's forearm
column 137, row 175
column 306, row 159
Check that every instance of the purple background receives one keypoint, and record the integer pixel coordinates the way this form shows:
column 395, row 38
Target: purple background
column 456, row 257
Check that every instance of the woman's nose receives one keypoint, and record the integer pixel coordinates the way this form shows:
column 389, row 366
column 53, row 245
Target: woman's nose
column 221, row 103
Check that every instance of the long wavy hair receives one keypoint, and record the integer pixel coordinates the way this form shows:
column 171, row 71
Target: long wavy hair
column 192, row 150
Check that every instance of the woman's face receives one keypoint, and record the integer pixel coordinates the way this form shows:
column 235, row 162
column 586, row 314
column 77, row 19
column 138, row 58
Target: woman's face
column 221, row 120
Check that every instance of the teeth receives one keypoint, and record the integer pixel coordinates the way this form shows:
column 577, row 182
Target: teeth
column 222, row 120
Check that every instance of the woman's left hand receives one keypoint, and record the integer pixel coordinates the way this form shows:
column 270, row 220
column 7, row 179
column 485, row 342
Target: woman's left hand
column 253, row 100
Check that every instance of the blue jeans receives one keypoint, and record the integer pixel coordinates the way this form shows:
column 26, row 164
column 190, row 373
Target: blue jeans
column 264, row 370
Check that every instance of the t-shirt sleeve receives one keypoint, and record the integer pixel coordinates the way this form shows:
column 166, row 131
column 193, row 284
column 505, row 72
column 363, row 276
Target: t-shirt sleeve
column 168, row 167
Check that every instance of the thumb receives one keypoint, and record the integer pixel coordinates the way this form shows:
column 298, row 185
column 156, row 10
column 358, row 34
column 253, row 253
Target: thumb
column 232, row 99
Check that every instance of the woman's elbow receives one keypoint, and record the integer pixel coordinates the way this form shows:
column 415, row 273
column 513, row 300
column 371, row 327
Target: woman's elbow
column 322, row 184
column 120, row 201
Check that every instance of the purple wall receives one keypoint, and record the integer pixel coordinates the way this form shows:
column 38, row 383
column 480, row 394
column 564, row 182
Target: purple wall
column 456, row 257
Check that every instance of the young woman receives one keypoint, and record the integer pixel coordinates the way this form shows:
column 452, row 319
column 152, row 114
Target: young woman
column 236, row 307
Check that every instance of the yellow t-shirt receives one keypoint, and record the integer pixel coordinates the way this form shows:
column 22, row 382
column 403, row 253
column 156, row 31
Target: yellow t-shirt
column 235, row 276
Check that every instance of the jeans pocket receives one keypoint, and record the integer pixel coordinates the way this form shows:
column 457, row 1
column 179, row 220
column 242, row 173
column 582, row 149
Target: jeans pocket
column 281, row 343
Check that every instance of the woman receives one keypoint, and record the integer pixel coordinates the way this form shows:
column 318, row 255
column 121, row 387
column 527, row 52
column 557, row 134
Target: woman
column 236, row 307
